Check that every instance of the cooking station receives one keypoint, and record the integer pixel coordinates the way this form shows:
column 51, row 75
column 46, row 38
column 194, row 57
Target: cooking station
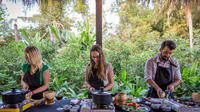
column 88, row 106
column 19, row 107
column 176, row 105
column 183, row 105
column 101, row 102
column 14, row 101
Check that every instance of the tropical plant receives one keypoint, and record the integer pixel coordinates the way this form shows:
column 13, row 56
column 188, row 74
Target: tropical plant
column 190, row 81
column 85, row 39
column 4, row 29
column 132, row 86
column 28, row 40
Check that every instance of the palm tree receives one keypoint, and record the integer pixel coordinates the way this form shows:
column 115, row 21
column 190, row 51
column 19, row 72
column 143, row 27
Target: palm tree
column 189, row 20
column 169, row 6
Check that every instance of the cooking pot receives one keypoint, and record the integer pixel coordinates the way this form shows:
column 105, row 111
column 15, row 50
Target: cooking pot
column 101, row 97
column 14, row 96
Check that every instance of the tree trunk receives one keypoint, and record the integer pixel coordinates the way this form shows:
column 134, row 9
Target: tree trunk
column 168, row 18
column 189, row 21
column 52, row 36
column 171, row 8
column 17, row 38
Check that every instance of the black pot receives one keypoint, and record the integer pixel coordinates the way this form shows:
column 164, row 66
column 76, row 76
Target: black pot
column 14, row 96
column 101, row 97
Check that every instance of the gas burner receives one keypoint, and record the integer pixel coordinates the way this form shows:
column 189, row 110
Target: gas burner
column 102, row 108
column 15, row 107
column 109, row 107
column 12, row 106
column 89, row 106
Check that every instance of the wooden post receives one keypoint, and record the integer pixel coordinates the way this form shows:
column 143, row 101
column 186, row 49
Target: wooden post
column 99, row 22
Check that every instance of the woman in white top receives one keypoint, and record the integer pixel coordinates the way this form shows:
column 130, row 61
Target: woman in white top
column 98, row 72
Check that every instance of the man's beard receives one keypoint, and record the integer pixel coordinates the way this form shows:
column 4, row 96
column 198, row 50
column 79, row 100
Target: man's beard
column 163, row 57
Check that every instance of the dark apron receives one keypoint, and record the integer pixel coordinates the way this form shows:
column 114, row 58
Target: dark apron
column 163, row 78
column 94, row 81
column 34, row 83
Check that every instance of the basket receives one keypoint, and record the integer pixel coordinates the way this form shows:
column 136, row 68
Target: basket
column 49, row 95
column 196, row 97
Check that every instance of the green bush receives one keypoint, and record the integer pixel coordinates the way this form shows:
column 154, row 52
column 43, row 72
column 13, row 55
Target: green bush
column 11, row 58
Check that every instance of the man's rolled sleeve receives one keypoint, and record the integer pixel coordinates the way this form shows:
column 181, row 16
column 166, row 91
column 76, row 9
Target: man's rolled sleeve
column 148, row 70
column 177, row 73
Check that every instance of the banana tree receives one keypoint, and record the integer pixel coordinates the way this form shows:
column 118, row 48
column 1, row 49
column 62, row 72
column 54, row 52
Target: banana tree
column 57, row 33
column 28, row 40
column 85, row 39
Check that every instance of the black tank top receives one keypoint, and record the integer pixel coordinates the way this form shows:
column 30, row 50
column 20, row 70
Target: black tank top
column 94, row 81
column 34, row 83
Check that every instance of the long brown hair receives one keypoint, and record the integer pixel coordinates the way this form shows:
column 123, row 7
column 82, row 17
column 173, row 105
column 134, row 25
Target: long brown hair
column 101, row 65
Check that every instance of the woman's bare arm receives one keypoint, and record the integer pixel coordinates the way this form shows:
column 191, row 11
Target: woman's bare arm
column 46, row 78
column 110, row 80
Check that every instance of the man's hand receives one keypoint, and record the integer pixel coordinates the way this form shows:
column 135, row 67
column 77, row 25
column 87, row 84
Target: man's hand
column 159, row 92
column 170, row 88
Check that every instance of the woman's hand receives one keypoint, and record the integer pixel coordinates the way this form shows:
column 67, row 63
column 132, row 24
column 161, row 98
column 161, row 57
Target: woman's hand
column 91, row 89
column 29, row 95
column 24, row 86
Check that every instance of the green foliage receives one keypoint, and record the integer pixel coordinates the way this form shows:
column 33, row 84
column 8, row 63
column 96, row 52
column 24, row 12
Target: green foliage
column 131, row 86
column 25, row 36
column 138, row 37
column 8, row 82
column 56, row 32
column 12, row 58
column 68, row 66
column 190, row 81
column 28, row 40
column 4, row 29
column 81, row 6
column 124, row 57
column 1, row 18
column 85, row 39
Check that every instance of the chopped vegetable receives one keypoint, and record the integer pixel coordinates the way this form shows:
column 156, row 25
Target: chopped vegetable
column 134, row 104
column 163, row 95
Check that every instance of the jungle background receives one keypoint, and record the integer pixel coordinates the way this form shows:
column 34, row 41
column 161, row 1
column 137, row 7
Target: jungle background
column 141, row 27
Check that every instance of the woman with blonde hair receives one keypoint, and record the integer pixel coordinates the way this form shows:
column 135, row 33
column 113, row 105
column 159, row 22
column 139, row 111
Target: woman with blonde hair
column 35, row 74
column 98, row 72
